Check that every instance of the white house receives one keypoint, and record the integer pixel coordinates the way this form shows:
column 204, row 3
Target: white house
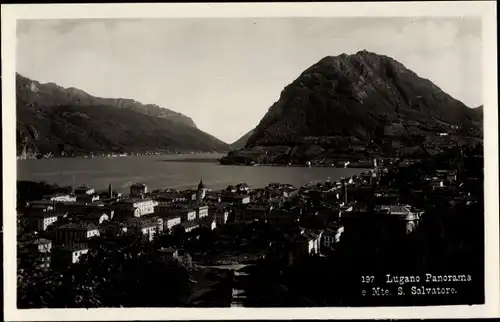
column 41, row 221
column 39, row 245
column 75, row 232
column 331, row 236
column 221, row 217
column 313, row 240
column 61, row 197
column 174, row 210
column 98, row 218
column 139, row 207
column 189, row 226
column 202, row 211
column 170, row 222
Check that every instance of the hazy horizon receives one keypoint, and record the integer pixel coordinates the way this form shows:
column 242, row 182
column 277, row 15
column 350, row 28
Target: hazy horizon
column 225, row 73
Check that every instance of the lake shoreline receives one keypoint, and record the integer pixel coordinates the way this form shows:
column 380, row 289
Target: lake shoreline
column 176, row 172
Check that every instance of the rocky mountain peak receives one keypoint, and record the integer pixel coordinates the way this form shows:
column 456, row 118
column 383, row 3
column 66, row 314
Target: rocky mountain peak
column 358, row 95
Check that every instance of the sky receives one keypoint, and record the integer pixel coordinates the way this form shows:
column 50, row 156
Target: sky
column 225, row 73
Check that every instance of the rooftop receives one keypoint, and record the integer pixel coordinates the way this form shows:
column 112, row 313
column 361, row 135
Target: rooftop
column 86, row 226
column 57, row 194
column 172, row 218
column 190, row 224
column 135, row 200
column 143, row 222
column 396, row 208
column 45, row 214
column 96, row 214
column 38, row 241
column 74, row 247
column 43, row 202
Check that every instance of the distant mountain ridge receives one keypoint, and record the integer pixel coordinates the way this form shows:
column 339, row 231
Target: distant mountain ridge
column 51, row 94
column 362, row 100
column 52, row 119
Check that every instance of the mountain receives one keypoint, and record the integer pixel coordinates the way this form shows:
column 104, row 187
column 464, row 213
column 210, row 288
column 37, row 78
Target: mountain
column 359, row 105
column 52, row 119
column 31, row 92
column 241, row 142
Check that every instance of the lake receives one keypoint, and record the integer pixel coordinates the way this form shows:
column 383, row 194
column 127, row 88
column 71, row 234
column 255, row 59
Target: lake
column 167, row 171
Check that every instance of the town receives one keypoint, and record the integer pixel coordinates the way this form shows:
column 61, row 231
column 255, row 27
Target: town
column 236, row 245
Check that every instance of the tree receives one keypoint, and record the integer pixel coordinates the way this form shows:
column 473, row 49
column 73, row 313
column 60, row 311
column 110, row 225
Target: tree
column 118, row 272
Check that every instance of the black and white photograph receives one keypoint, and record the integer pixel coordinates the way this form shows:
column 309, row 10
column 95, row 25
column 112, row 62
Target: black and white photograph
column 257, row 161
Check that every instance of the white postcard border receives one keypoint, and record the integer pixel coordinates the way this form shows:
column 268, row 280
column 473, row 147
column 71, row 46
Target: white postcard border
column 484, row 9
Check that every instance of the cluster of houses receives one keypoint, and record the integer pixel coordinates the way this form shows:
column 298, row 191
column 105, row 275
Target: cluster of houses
column 65, row 222
column 315, row 217
column 341, row 217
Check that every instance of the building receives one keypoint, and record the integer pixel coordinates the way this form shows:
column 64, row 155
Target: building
column 207, row 222
column 313, row 240
column 39, row 207
column 75, row 232
column 221, row 216
column 213, row 198
column 60, row 197
column 147, row 227
column 201, row 212
column 188, row 226
column 137, row 207
column 72, row 207
column 175, row 210
column 238, row 199
column 366, row 229
column 405, row 212
column 38, row 245
column 138, row 190
column 168, row 196
column 187, row 214
column 69, row 254
column 331, row 236
column 88, row 198
column 97, row 218
column 200, row 193
column 42, row 220
column 84, row 190
column 37, row 249
column 251, row 212
column 170, row 222
column 110, row 193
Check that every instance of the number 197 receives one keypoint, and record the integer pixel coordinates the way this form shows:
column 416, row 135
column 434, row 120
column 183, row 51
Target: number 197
column 367, row 279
